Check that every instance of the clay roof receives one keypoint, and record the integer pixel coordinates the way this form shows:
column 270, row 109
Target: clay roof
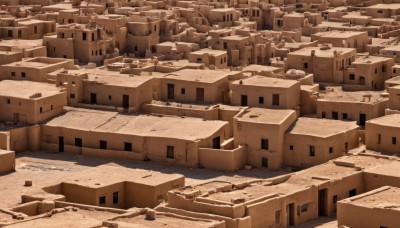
column 383, row 198
column 203, row 76
column 25, row 89
column 320, row 52
column 268, row 82
column 335, row 94
column 312, row 127
column 388, row 121
column 267, row 116
column 139, row 125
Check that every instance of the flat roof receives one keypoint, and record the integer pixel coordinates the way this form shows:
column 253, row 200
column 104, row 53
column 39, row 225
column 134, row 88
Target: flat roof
column 164, row 220
column 321, row 52
column 2, row 152
column 370, row 59
column 267, row 116
column 312, row 127
column 336, row 94
column 261, row 68
column 209, row 51
column 385, row 6
column 386, row 197
column 339, row 34
column 204, row 76
column 25, row 89
column 140, row 125
column 21, row 43
column 263, row 81
column 106, row 175
column 392, row 120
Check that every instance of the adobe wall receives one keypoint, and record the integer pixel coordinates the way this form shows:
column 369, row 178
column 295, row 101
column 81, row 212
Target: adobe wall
column 385, row 145
column 207, row 114
column 227, row 160
column 7, row 161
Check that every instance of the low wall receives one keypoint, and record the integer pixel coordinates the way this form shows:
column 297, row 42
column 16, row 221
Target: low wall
column 226, row 160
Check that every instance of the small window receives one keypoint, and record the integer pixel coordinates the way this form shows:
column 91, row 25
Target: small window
column 35, row 29
column 102, row 200
column 127, row 146
column 380, row 11
column 115, row 197
column 312, row 151
column 304, row 207
column 13, row 74
column 40, row 109
column 379, row 139
column 78, row 142
column 170, row 152
column 352, row 192
column 264, row 162
column 330, row 150
column 376, row 70
column 352, row 77
column 344, row 116
column 394, row 140
column 277, row 217
column 72, row 96
column 394, row 71
column 335, row 199
column 323, row 115
column 261, row 100
column 8, row 101
column 291, row 147
column 103, row 145
column 109, row 97
column 305, row 65
column 264, row 144
column 51, row 107
column 225, row 45
column 183, row 91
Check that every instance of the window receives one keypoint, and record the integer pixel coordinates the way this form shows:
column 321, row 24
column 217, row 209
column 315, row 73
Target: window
column 115, row 197
column 23, row 74
column 92, row 36
column 275, row 99
column 264, row 144
column 379, row 11
column 335, row 115
column 72, row 96
column 78, row 142
column 323, row 115
column 312, row 151
column 352, row 77
column 335, row 199
column 183, row 91
column 277, row 217
column 35, row 29
column 40, row 109
column 305, row 65
column 379, row 139
column 155, row 28
column 304, row 207
column 394, row 140
column 109, row 97
column 8, row 101
column 13, row 74
column 264, row 162
column 51, row 107
column 103, row 145
column 127, row 146
column 170, row 152
column 330, row 150
column 383, row 68
column 102, row 200
column 344, row 116
column 225, row 45
column 84, row 36
column 261, row 100
column 352, row 192
column 291, row 147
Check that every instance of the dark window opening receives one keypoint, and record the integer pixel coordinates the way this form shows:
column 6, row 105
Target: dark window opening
column 379, row 139
column 170, row 152
column 335, row 115
column 291, row 147
column 102, row 200
column 103, row 145
column 312, row 151
column 264, row 144
column 13, row 74
column 84, row 36
column 261, row 100
column 72, row 96
column 352, row 192
column 305, row 65
column 78, row 142
column 330, row 150
column 264, row 162
column 344, row 116
column 394, row 140
column 323, row 114
column 115, row 197
column 183, row 91
column 352, row 77
column 127, row 146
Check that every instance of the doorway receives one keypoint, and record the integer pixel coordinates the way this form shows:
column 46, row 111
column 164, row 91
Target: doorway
column 60, row 144
column 363, row 118
column 362, row 80
column 171, row 91
column 216, row 143
column 243, row 100
column 322, row 198
column 93, row 98
column 125, row 101
column 199, row 94
column 290, row 214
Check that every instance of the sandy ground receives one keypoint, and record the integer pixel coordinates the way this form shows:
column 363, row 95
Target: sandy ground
column 43, row 167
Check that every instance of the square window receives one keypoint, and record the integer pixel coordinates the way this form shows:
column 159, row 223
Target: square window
column 264, row 144
column 127, row 146
column 115, row 197
column 183, row 91
column 78, row 142
column 261, row 100
column 8, row 101
column 312, row 151
column 23, row 74
column 103, row 144
column 305, row 65
column 13, row 74
column 102, row 200
column 351, row 77
column 335, row 199
column 170, row 152
column 352, row 192
column 109, row 97
column 344, row 116
column 72, row 96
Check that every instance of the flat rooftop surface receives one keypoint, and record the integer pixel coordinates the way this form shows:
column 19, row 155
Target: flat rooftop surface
column 392, row 120
column 328, row 53
column 266, row 116
column 209, row 51
column 25, row 89
column 383, row 198
column 140, row 125
column 164, row 220
column 336, row 94
column 261, row 68
column 21, row 43
column 262, row 81
column 339, row 34
column 204, row 76
column 313, row 127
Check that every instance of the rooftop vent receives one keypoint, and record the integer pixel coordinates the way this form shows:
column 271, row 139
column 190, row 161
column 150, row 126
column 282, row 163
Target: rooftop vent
column 35, row 95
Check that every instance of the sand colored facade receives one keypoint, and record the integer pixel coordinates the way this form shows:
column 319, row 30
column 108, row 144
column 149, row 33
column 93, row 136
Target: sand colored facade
column 382, row 134
column 30, row 102
column 7, row 161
